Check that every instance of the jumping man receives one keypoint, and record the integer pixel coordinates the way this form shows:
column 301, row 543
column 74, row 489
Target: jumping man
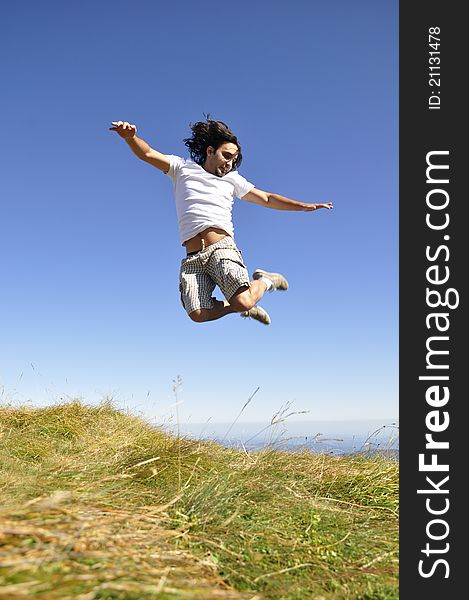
column 205, row 188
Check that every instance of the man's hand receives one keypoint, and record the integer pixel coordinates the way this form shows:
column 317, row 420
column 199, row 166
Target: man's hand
column 139, row 147
column 309, row 207
column 124, row 129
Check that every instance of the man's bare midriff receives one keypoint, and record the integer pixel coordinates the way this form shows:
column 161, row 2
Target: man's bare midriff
column 205, row 238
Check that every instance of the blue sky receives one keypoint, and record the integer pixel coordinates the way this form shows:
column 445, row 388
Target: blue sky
column 89, row 250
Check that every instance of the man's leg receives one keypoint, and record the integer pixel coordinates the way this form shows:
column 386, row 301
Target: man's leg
column 247, row 297
column 220, row 309
column 243, row 300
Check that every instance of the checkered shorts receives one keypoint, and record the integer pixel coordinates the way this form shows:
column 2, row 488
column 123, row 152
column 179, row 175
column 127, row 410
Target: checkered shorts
column 219, row 264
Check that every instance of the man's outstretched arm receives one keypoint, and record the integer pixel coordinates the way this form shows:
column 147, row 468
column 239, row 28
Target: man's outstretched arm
column 139, row 147
column 280, row 202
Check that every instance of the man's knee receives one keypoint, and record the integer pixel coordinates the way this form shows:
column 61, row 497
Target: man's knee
column 242, row 301
column 199, row 315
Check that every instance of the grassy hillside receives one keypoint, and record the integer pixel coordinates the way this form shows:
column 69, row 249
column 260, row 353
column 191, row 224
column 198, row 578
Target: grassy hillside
column 97, row 504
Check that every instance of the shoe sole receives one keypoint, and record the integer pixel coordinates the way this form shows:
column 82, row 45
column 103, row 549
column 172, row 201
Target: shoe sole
column 266, row 321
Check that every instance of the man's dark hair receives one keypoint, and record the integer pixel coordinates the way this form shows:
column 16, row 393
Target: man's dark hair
column 210, row 133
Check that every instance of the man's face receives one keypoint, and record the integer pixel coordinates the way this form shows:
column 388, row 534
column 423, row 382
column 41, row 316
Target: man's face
column 219, row 162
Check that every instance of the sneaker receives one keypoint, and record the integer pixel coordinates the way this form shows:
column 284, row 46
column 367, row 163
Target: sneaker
column 279, row 281
column 258, row 314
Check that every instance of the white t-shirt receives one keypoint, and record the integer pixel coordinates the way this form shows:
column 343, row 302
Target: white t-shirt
column 202, row 199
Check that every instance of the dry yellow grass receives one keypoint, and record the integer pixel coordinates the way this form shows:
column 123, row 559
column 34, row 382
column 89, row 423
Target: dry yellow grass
column 98, row 504
column 68, row 549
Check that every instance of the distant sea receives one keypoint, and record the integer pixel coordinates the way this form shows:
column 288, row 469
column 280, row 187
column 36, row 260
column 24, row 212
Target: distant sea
column 331, row 437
